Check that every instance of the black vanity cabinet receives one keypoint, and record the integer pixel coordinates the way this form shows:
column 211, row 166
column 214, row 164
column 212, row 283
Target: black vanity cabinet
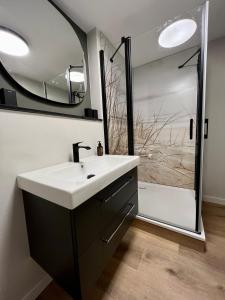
column 74, row 246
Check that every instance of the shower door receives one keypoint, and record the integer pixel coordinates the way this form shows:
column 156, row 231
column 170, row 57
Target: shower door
column 168, row 123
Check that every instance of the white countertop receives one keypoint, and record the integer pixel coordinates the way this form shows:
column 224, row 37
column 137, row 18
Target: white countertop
column 67, row 185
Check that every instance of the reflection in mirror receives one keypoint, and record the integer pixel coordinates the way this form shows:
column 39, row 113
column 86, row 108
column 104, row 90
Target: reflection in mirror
column 76, row 81
column 46, row 52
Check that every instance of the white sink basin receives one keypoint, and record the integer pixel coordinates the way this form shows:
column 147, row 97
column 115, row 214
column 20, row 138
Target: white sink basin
column 67, row 185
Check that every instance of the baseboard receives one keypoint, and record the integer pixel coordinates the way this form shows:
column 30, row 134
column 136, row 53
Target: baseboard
column 212, row 199
column 162, row 232
column 38, row 288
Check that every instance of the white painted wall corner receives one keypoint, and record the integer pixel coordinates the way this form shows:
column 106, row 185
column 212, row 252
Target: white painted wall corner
column 38, row 288
column 213, row 199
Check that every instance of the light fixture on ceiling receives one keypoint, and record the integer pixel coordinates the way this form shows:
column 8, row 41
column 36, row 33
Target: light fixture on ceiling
column 177, row 33
column 12, row 43
column 76, row 76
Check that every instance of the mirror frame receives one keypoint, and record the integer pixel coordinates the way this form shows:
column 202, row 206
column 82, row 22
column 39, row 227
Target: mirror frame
column 82, row 36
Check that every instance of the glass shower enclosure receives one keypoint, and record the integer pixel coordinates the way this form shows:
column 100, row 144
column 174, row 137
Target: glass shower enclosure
column 168, row 120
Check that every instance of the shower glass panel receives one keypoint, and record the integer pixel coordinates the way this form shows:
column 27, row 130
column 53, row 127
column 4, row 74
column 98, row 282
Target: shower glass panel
column 116, row 102
column 165, row 109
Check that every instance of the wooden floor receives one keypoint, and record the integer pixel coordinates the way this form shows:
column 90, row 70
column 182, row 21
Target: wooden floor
column 149, row 267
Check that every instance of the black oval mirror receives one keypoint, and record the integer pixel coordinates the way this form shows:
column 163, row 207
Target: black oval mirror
column 41, row 51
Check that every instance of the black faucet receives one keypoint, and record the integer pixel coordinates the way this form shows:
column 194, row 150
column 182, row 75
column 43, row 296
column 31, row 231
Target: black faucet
column 76, row 148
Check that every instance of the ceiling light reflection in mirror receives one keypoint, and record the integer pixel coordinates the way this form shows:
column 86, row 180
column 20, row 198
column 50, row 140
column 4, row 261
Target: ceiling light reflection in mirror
column 76, row 76
column 11, row 43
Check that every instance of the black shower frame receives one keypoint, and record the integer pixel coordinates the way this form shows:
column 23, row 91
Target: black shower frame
column 126, row 41
column 200, row 118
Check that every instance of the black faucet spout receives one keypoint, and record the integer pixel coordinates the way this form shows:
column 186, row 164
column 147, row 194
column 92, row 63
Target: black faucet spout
column 85, row 147
column 76, row 148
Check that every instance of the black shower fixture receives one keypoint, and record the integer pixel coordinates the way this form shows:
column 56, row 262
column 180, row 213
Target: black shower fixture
column 193, row 55
column 123, row 40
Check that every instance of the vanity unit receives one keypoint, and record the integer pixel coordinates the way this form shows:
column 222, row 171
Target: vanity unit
column 74, row 223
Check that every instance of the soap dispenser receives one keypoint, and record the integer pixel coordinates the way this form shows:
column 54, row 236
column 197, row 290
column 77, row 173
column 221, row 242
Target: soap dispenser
column 99, row 149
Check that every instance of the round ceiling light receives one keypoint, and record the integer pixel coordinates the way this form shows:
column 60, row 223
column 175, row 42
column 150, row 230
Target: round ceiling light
column 11, row 43
column 76, row 76
column 177, row 33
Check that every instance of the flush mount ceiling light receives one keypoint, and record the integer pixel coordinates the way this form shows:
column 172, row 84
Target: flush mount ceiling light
column 11, row 43
column 76, row 76
column 177, row 33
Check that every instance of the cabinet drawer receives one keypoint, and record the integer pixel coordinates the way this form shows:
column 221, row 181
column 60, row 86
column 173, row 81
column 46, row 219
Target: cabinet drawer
column 93, row 261
column 91, row 218
column 112, row 236
column 122, row 191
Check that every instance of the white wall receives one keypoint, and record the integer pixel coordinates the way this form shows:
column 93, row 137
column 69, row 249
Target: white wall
column 93, row 41
column 28, row 142
column 214, row 162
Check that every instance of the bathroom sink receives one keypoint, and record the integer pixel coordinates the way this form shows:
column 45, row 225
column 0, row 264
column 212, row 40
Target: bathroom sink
column 70, row 184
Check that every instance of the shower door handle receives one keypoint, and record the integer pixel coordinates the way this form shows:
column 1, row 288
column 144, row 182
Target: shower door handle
column 206, row 129
column 191, row 128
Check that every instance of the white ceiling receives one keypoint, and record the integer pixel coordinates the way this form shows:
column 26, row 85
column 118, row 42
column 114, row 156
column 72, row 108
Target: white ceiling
column 146, row 48
column 137, row 18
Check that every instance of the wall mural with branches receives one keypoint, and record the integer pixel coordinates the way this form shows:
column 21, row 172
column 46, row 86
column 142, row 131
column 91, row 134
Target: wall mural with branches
column 165, row 99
